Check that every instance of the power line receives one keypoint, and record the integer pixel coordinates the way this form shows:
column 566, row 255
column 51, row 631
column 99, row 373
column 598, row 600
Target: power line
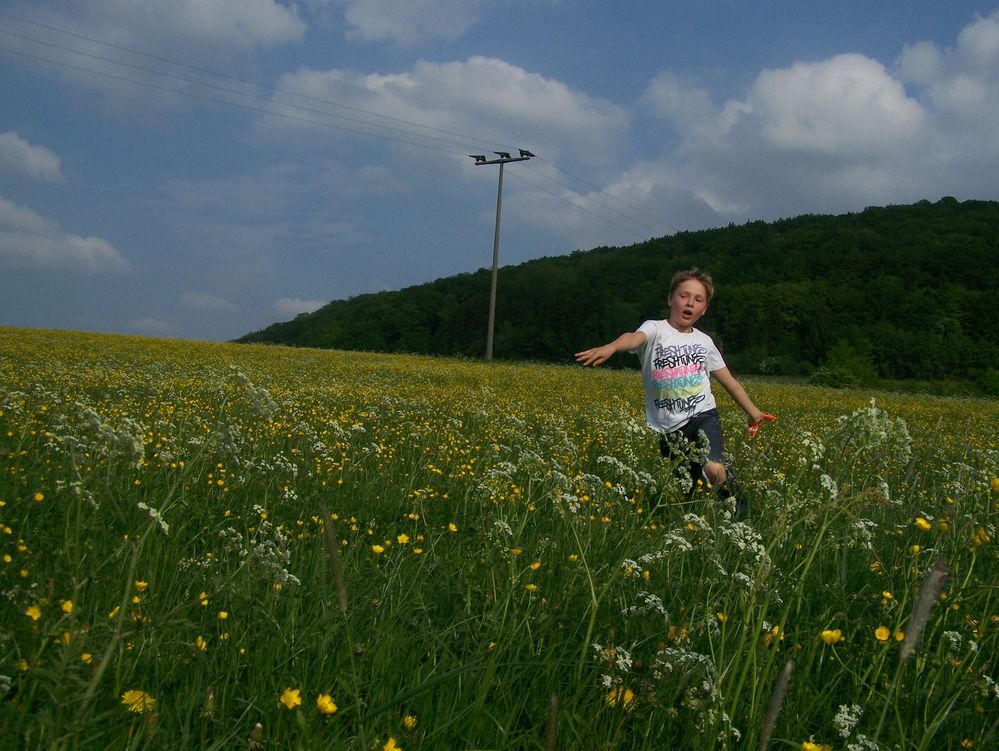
column 194, row 82
column 464, row 144
column 234, row 78
column 619, row 200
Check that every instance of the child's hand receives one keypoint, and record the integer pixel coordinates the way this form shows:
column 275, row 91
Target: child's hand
column 755, row 426
column 595, row 356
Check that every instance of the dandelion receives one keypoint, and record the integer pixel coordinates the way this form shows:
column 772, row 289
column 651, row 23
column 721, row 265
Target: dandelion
column 291, row 698
column 831, row 637
column 325, row 704
column 33, row 612
column 882, row 634
column 138, row 702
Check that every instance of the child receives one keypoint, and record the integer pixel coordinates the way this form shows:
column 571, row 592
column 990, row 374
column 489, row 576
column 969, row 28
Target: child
column 677, row 361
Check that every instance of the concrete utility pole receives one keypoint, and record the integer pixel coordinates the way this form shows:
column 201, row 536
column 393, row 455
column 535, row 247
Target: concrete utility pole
column 504, row 158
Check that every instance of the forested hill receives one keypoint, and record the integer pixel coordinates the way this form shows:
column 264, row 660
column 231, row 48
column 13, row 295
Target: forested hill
column 896, row 292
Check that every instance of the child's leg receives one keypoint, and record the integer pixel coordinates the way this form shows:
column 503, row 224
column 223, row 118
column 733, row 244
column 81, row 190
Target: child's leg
column 674, row 447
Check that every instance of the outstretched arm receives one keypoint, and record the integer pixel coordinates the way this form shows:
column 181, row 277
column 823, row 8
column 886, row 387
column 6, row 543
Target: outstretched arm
column 599, row 355
column 739, row 396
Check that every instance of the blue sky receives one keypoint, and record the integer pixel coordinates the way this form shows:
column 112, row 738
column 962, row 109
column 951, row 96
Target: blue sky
column 203, row 168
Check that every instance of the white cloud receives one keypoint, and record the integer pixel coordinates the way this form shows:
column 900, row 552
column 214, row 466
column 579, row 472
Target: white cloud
column 203, row 301
column 153, row 24
column 848, row 105
column 959, row 83
column 28, row 240
column 202, row 32
column 293, row 306
column 36, row 162
column 409, row 21
column 151, row 326
column 497, row 101
column 672, row 98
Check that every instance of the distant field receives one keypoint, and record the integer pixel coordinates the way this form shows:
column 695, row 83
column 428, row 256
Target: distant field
column 236, row 546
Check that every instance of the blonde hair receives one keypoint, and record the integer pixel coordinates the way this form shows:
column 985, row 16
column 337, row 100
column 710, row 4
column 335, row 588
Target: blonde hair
column 694, row 273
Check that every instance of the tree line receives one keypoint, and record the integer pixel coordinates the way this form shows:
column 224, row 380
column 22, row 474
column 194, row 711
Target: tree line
column 896, row 292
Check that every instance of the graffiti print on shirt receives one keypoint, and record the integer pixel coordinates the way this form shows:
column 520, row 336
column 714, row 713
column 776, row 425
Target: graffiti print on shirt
column 680, row 376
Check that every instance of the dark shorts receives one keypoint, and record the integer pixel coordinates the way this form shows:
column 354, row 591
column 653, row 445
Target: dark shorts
column 699, row 441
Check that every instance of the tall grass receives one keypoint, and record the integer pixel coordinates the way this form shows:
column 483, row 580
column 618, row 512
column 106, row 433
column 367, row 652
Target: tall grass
column 218, row 546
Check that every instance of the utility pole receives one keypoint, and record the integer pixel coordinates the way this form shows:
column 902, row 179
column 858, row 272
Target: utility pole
column 504, row 158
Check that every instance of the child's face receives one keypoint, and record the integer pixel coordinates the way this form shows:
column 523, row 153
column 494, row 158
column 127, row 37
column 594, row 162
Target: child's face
column 687, row 304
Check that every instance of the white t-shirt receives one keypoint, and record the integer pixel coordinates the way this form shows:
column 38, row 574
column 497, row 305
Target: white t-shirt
column 676, row 370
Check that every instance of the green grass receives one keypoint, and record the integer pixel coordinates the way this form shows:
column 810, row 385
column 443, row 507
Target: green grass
column 471, row 546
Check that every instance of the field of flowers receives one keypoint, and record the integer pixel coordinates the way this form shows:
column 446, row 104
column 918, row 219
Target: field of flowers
column 222, row 546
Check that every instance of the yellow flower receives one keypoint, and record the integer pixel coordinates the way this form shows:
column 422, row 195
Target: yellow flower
column 39, row 497
column 200, row 643
column 831, row 637
column 138, row 701
column 899, row 635
column 809, row 746
column 325, row 704
column 451, row 527
column 882, row 633
column 33, row 612
column 535, row 566
column 531, row 587
column 86, row 658
column 994, row 484
column 922, row 524
column 141, row 586
column 391, row 745
column 915, row 549
column 721, row 617
column 377, row 549
column 203, row 599
column 402, row 539
column 515, row 552
column 223, row 615
column 291, row 697
column 620, row 696
column 409, row 722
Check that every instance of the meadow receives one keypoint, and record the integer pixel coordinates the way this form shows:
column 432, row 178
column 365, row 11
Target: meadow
column 224, row 546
